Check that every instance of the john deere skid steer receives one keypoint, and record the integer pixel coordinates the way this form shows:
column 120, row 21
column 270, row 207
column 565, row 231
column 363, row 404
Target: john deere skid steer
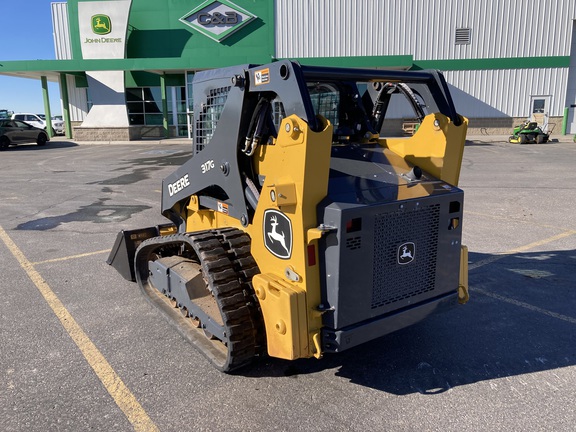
column 295, row 229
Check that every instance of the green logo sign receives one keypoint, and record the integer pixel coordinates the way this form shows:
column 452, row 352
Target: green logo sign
column 217, row 19
column 101, row 24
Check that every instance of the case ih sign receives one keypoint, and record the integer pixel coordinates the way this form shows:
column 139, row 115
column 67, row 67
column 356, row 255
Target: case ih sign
column 217, row 19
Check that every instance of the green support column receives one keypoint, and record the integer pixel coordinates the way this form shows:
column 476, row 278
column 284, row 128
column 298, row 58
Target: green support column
column 565, row 120
column 46, row 97
column 65, row 106
column 164, row 106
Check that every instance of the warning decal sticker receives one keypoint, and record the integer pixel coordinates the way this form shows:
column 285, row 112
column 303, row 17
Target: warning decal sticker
column 262, row 76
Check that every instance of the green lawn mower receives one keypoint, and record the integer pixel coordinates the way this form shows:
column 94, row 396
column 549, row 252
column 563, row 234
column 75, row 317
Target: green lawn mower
column 528, row 133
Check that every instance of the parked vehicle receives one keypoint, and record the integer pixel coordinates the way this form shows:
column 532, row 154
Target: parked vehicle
column 14, row 132
column 528, row 133
column 57, row 124
column 39, row 121
column 5, row 114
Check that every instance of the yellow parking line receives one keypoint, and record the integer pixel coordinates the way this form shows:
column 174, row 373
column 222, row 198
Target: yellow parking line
column 517, row 220
column 526, row 306
column 524, row 248
column 72, row 257
column 109, row 378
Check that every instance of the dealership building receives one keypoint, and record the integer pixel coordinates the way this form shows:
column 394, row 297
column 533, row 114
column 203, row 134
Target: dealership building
column 125, row 67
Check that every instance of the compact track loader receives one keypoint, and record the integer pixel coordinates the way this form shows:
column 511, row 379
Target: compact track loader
column 295, row 229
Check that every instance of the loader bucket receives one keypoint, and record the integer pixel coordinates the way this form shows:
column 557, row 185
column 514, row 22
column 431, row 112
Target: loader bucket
column 127, row 241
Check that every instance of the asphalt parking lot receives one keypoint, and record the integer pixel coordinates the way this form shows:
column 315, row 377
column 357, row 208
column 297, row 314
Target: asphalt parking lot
column 81, row 349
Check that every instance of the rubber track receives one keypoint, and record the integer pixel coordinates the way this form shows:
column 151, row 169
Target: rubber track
column 228, row 267
column 237, row 244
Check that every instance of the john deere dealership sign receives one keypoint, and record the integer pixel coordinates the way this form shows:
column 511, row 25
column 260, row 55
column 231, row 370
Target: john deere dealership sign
column 103, row 27
column 217, row 19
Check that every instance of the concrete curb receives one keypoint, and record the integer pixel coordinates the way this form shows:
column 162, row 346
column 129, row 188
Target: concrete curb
column 504, row 139
column 139, row 142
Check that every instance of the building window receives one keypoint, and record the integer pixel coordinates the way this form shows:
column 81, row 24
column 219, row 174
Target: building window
column 144, row 105
column 189, row 98
column 189, row 83
column 177, row 104
column 538, row 106
column 463, row 36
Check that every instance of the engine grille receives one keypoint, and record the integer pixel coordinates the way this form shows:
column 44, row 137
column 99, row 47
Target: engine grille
column 354, row 243
column 394, row 282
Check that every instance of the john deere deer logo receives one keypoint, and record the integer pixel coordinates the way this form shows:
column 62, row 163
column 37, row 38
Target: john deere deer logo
column 278, row 233
column 101, row 24
column 406, row 253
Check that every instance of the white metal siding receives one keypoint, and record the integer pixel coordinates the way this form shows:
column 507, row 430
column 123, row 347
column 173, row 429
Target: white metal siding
column 571, row 88
column 425, row 29
column 62, row 46
column 474, row 94
column 506, row 92
column 77, row 98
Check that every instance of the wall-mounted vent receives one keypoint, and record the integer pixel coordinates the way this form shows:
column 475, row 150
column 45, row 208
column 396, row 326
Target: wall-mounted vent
column 463, row 36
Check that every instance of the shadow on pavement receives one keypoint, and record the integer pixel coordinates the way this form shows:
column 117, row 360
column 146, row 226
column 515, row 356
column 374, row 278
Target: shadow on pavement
column 50, row 145
column 104, row 209
column 478, row 142
column 520, row 320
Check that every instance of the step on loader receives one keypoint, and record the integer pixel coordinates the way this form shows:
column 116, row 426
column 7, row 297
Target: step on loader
column 295, row 229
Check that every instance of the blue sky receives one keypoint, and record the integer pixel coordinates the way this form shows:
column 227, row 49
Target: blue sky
column 27, row 34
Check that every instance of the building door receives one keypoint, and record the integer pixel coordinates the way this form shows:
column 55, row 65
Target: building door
column 539, row 108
